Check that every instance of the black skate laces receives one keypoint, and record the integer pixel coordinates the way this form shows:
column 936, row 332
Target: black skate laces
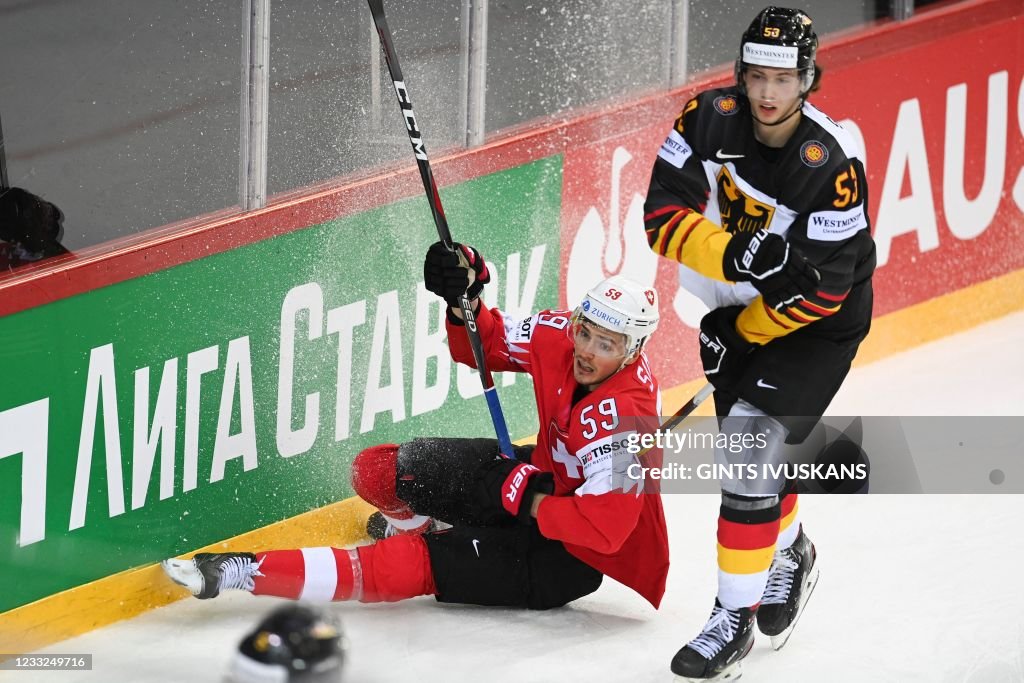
column 780, row 577
column 237, row 573
column 720, row 629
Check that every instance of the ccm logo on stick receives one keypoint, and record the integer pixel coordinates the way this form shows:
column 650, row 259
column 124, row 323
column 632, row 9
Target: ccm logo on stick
column 410, row 121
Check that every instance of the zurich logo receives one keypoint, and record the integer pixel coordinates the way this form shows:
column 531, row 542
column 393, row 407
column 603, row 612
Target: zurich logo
column 586, row 306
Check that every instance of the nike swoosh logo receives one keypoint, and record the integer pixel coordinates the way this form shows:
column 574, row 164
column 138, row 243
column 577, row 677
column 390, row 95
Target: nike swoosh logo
column 764, row 385
column 476, row 547
column 722, row 155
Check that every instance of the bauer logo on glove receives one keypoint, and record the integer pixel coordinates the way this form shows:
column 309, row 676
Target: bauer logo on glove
column 513, row 484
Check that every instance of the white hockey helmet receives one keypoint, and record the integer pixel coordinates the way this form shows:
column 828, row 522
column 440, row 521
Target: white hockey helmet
column 624, row 306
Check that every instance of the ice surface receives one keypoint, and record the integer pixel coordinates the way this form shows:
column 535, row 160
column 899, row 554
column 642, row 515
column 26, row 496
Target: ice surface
column 913, row 588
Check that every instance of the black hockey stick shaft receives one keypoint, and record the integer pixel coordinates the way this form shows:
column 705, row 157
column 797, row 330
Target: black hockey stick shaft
column 687, row 408
column 684, row 412
column 440, row 221
column 4, row 183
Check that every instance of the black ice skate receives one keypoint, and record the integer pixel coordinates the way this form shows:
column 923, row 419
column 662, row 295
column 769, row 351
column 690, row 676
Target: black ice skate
column 716, row 653
column 378, row 527
column 207, row 574
column 791, row 581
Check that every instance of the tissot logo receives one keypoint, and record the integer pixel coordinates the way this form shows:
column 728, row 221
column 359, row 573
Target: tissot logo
column 604, row 449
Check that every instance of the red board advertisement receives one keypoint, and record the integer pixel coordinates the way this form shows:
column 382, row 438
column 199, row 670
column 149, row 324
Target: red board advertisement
column 938, row 105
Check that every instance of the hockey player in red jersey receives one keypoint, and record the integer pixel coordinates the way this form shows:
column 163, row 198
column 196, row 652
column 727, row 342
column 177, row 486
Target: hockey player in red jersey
column 536, row 531
column 762, row 199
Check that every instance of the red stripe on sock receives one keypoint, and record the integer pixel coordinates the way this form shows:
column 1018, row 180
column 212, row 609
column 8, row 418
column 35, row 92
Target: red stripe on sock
column 284, row 574
column 738, row 536
column 787, row 504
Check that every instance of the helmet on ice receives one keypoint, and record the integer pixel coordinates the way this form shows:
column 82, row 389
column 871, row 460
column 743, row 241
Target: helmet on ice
column 294, row 644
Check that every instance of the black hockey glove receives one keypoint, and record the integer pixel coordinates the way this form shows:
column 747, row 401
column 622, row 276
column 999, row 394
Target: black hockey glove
column 32, row 223
column 723, row 352
column 780, row 273
column 447, row 273
column 509, row 484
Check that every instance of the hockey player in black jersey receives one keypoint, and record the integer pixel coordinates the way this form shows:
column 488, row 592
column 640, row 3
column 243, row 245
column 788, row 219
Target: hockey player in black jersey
column 762, row 199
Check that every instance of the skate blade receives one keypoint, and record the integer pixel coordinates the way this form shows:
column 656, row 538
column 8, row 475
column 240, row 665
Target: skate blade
column 730, row 673
column 184, row 573
column 779, row 641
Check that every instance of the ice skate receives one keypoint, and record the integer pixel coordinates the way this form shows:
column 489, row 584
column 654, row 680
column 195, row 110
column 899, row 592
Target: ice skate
column 716, row 654
column 791, row 581
column 379, row 527
column 207, row 574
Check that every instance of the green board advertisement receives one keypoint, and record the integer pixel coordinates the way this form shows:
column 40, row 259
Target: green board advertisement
column 158, row 415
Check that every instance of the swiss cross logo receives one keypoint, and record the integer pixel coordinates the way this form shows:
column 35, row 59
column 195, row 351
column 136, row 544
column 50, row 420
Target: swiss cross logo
column 650, row 296
column 559, row 453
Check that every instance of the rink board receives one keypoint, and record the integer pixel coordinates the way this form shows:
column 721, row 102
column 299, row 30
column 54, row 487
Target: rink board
column 199, row 402
column 562, row 199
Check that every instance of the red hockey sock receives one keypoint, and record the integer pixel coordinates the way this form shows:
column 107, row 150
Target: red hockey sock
column 281, row 573
column 396, row 568
column 374, row 472
column 789, row 526
column 393, row 569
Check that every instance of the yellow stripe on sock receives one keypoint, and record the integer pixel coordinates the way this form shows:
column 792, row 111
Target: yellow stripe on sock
column 745, row 561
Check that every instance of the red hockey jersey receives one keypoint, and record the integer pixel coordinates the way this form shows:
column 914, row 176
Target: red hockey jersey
column 599, row 510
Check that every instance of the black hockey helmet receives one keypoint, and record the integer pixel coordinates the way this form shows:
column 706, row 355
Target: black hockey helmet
column 782, row 38
column 293, row 644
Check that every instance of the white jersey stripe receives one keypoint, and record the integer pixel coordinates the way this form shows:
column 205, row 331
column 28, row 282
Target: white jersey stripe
column 849, row 146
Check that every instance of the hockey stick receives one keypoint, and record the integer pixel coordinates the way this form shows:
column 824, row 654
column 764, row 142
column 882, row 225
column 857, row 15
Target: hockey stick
column 684, row 412
column 690, row 406
column 434, row 199
column 4, row 183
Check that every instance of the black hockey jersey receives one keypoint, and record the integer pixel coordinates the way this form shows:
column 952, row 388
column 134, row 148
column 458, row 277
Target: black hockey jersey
column 711, row 171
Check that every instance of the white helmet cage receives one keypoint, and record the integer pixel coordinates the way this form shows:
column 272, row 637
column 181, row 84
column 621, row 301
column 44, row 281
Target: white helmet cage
column 621, row 305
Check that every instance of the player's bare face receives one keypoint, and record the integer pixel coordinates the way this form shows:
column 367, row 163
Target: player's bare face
column 773, row 93
column 597, row 353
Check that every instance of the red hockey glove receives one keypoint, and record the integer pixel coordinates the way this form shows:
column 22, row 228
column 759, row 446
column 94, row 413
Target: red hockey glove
column 447, row 273
column 510, row 485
